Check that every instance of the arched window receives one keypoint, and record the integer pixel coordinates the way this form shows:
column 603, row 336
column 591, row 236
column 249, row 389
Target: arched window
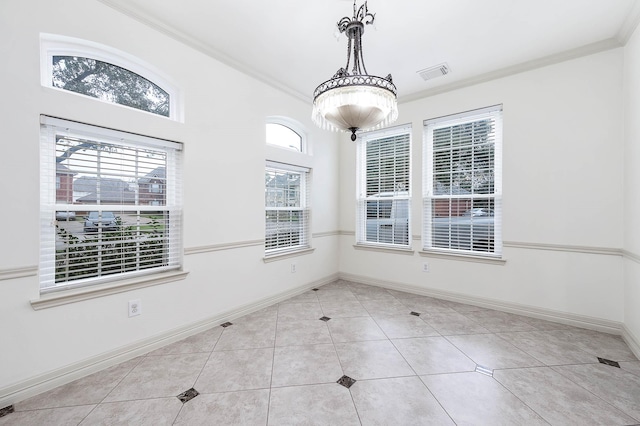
column 106, row 74
column 287, row 189
column 285, row 134
column 109, row 83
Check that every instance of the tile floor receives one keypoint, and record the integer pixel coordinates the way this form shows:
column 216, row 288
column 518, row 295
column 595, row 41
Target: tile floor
column 408, row 360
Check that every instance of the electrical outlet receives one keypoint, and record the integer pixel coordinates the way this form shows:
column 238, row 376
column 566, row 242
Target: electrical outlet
column 425, row 267
column 293, row 268
column 135, row 308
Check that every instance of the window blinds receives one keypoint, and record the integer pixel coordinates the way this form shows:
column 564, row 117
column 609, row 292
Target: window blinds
column 384, row 172
column 124, row 192
column 463, row 182
column 287, row 213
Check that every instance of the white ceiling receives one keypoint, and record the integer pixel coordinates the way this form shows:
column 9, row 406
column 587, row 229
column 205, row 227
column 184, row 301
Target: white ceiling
column 292, row 44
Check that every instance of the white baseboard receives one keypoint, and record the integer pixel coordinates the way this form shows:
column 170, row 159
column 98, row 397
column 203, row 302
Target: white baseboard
column 25, row 389
column 632, row 341
column 20, row 391
column 582, row 321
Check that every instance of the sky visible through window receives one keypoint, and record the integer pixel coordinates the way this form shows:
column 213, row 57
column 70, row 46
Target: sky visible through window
column 284, row 137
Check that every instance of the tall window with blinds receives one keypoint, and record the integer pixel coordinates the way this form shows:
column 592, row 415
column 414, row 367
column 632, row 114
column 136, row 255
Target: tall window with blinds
column 463, row 183
column 286, row 208
column 384, row 191
column 110, row 205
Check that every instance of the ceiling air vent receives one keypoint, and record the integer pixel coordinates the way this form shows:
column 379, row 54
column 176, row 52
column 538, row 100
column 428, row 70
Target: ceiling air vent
column 434, row 72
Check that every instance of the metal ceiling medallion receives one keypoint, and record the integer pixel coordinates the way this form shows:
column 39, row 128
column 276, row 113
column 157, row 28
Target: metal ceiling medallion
column 354, row 100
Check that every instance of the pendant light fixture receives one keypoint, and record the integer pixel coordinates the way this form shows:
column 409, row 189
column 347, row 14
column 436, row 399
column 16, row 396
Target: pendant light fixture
column 354, row 100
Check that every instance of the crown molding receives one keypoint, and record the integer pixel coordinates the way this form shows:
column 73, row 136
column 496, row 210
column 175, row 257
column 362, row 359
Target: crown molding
column 585, row 50
column 629, row 25
column 619, row 40
column 631, row 256
column 192, row 42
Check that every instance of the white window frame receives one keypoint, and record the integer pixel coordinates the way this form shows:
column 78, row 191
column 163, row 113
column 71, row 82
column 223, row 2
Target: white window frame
column 57, row 45
column 400, row 197
column 492, row 249
column 50, row 127
column 295, row 128
column 303, row 208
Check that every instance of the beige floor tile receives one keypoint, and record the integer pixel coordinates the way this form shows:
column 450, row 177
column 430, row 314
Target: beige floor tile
column 476, row 399
column 433, row 355
column 491, row 351
column 424, row 305
column 371, row 293
column 559, row 400
column 230, row 408
column 149, row 412
column 402, row 294
column 616, row 386
column 242, row 369
column 336, row 284
column 462, row 307
column 372, row 360
column 354, row 330
column 378, row 308
column 88, row 390
column 302, row 332
column 159, row 376
column 251, row 335
column 602, row 345
column 201, row 342
column 340, row 309
column 326, row 404
column 47, row 417
column 280, row 365
column 377, row 296
column 306, row 297
column 398, row 327
column 499, row 322
column 540, row 324
column 335, row 294
column 299, row 311
column 631, row 367
column 549, row 352
column 336, row 297
column 262, row 318
column 353, row 286
column 305, row 365
column 397, row 401
column 449, row 324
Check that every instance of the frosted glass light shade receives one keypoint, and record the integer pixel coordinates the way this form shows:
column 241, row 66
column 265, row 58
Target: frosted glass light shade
column 360, row 107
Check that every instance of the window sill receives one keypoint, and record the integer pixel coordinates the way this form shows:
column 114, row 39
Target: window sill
column 287, row 255
column 65, row 297
column 464, row 257
column 396, row 250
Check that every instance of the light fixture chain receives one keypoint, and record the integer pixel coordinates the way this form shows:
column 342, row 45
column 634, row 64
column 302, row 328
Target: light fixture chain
column 346, row 68
column 360, row 55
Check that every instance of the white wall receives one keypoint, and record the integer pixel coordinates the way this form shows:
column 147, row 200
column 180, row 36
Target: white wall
column 632, row 187
column 224, row 140
column 562, row 180
column 563, row 191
